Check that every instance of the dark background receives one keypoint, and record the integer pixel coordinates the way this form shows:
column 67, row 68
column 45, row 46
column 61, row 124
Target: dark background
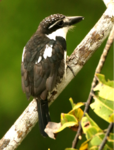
column 19, row 19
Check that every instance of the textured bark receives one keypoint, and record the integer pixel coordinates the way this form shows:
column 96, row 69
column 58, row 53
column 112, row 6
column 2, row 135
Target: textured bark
column 20, row 128
column 78, row 58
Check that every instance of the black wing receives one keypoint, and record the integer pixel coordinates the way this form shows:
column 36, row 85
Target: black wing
column 40, row 74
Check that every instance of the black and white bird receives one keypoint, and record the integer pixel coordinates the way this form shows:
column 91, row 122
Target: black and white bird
column 44, row 61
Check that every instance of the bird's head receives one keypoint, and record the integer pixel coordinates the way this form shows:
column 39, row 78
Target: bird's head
column 58, row 25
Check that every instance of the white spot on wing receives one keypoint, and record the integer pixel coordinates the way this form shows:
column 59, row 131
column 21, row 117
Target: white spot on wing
column 65, row 55
column 23, row 54
column 48, row 51
column 39, row 59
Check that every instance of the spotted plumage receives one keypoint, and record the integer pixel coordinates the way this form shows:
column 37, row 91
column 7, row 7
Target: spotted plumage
column 51, row 19
column 44, row 62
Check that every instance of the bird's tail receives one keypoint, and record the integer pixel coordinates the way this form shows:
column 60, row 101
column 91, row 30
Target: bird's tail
column 43, row 115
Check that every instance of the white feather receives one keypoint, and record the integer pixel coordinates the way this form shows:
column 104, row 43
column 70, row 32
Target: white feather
column 48, row 51
column 39, row 59
column 60, row 32
column 23, row 54
column 65, row 55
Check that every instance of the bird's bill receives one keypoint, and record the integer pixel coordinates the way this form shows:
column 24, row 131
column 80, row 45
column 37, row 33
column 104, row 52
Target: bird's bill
column 68, row 21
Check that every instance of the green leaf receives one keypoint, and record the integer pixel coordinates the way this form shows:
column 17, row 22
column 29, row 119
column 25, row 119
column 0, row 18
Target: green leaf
column 71, row 120
column 103, row 108
column 104, row 99
column 75, row 106
column 106, row 89
column 94, row 148
column 95, row 135
column 78, row 113
column 65, row 118
column 76, row 110
column 72, row 103
column 90, row 128
column 65, row 125
column 101, row 79
column 94, row 142
column 88, row 122
column 97, row 140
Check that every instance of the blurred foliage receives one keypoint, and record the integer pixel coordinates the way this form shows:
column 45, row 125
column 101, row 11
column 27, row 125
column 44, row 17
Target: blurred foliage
column 18, row 21
column 104, row 98
column 70, row 119
column 94, row 135
column 102, row 106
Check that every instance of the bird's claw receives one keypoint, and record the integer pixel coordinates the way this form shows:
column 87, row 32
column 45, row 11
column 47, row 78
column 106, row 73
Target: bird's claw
column 71, row 70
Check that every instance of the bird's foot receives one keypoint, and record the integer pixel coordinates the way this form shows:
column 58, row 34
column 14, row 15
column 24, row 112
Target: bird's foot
column 68, row 66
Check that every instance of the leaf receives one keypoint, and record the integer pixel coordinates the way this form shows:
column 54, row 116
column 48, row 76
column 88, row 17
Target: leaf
column 71, row 120
column 102, row 108
column 87, row 122
column 104, row 99
column 65, row 118
column 76, row 110
column 94, row 148
column 72, row 103
column 67, row 124
column 106, row 89
column 73, row 117
column 90, row 128
column 95, row 135
column 97, row 140
column 111, row 118
column 101, row 79
column 75, row 106
column 51, row 128
column 84, row 146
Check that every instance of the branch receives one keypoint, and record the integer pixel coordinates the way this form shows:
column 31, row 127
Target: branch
column 108, row 3
column 78, row 58
column 107, row 134
column 111, row 125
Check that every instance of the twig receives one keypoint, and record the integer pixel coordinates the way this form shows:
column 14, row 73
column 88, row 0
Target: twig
column 106, row 135
column 79, row 131
column 111, row 125
column 94, row 82
column 78, row 58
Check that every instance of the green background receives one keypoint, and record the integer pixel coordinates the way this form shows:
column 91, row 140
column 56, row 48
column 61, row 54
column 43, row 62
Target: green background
column 19, row 19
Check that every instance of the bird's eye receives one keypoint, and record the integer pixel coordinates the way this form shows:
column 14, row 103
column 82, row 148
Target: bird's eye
column 60, row 23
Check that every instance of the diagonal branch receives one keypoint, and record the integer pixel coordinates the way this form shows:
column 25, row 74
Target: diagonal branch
column 78, row 58
column 108, row 3
column 111, row 125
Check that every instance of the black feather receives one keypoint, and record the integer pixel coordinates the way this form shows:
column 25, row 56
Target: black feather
column 43, row 115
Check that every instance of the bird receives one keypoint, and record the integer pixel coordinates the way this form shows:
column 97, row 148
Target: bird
column 43, row 62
